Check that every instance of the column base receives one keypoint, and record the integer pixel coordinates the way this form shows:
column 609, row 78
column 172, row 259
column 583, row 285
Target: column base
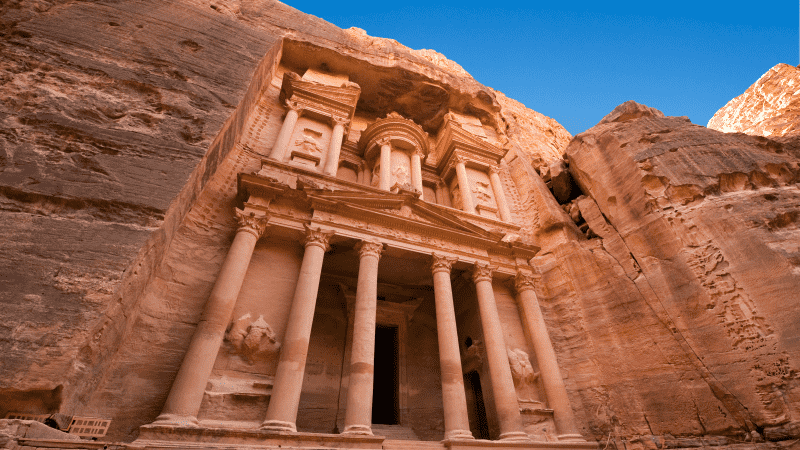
column 515, row 436
column 279, row 426
column 574, row 437
column 459, row 435
column 357, row 430
column 177, row 420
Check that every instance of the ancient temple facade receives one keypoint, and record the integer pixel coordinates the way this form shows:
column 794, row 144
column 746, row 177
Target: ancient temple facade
column 377, row 287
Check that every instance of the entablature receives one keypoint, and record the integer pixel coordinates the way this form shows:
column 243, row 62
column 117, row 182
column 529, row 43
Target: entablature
column 400, row 220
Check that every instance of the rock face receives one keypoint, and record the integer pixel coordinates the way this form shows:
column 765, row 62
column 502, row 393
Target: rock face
column 692, row 275
column 668, row 275
column 770, row 107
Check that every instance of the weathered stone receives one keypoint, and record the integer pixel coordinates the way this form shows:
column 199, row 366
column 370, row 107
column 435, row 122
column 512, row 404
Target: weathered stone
column 770, row 107
column 131, row 132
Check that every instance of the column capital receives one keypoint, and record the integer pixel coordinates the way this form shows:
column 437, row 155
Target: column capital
column 251, row 222
column 442, row 263
column 482, row 272
column 418, row 151
column 458, row 159
column 523, row 282
column 383, row 141
column 494, row 170
column 369, row 248
column 293, row 105
column 317, row 237
column 338, row 120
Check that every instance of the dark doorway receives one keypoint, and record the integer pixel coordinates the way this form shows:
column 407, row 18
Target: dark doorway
column 385, row 409
column 477, row 413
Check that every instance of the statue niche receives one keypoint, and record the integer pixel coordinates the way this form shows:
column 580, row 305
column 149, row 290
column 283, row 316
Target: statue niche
column 252, row 340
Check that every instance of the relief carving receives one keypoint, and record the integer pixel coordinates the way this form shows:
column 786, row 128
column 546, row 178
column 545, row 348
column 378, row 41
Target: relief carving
column 253, row 340
column 481, row 191
column 523, row 375
column 308, row 141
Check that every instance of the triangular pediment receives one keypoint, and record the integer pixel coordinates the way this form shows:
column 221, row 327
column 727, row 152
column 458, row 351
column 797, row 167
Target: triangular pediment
column 347, row 94
column 405, row 208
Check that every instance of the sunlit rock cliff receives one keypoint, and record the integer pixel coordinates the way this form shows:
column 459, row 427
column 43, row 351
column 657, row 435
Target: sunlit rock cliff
column 770, row 107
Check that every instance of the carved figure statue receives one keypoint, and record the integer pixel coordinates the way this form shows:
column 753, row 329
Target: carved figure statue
column 523, row 374
column 253, row 340
column 481, row 191
column 400, row 175
column 458, row 203
column 308, row 144
column 376, row 176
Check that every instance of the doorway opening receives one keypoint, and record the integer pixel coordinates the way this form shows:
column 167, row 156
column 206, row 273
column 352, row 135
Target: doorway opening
column 386, row 385
column 477, row 420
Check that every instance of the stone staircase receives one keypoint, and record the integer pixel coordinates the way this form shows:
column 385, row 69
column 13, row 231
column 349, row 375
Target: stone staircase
column 391, row 444
column 394, row 432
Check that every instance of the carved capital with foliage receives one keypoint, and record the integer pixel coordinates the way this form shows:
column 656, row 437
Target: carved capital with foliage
column 482, row 272
column 369, row 248
column 494, row 170
column 295, row 106
column 251, row 222
column 317, row 237
column 442, row 263
column 337, row 120
column 523, row 282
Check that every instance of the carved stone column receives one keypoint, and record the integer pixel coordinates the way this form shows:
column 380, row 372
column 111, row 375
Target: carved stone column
column 505, row 395
column 548, row 365
column 456, row 421
column 499, row 194
column 335, row 147
column 416, row 170
column 282, row 410
column 386, row 164
column 464, row 187
column 186, row 395
column 358, row 416
column 282, row 143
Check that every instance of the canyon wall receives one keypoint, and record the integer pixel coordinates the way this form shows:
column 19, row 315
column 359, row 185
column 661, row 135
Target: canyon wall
column 668, row 276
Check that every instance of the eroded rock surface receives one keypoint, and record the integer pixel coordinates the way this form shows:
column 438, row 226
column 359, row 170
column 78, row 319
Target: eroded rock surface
column 678, row 316
column 770, row 107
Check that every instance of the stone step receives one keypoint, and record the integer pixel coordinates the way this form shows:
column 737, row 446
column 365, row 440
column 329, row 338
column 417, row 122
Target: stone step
column 395, row 444
column 394, row 432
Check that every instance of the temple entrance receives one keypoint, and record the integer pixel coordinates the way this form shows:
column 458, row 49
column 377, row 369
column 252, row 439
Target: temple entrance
column 386, row 386
column 477, row 411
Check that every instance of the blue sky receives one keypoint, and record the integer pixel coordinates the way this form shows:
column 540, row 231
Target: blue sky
column 575, row 62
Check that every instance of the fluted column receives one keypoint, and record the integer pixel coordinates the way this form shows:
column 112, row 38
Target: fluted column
column 386, row 164
column 456, row 420
column 416, row 170
column 186, row 395
column 505, row 395
column 499, row 194
column 463, row 186
column 550, row 374
column 335, row 147
column 282, row 410
column 282, row 143
column 358, row 416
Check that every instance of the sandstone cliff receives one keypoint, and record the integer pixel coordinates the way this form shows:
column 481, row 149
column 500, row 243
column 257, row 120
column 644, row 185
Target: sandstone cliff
column 674, row 316
column 108, row 109
column 680, row 317
column 770, row 107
